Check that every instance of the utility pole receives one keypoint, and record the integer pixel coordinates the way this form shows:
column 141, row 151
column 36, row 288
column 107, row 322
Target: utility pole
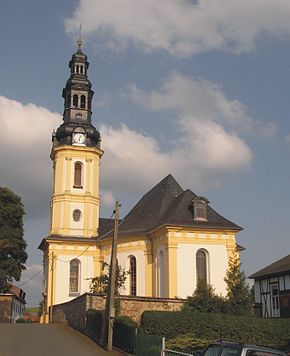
column 110, row 301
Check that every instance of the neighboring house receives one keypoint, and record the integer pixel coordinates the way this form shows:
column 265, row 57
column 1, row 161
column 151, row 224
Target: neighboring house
column 169, row 241
column 12, row 305
column 272, row 289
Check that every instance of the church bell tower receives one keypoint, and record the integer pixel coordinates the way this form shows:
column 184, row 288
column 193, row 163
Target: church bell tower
column 70, row 250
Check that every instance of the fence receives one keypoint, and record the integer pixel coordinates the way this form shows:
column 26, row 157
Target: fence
column 126, row 338
column 183, row 352
column 148, row 345
column 152, row 345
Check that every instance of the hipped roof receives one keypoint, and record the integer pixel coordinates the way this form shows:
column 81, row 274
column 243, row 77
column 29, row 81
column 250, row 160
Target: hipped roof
column 281, row 266
column 167, row 204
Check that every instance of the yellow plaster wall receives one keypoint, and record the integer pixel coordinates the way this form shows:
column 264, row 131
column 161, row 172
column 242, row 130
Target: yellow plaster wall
column 65, row 195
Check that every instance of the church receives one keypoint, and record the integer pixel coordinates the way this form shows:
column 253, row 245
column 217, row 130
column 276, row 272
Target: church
column 169, row 241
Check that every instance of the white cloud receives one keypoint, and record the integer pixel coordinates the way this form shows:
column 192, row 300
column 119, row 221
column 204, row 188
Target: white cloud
column 182, row 27
column 195, row 97
column 132, row 160
column 204, row 154
column 24, row 150
column 208, row 145
column 107, row 198
column 28, row 125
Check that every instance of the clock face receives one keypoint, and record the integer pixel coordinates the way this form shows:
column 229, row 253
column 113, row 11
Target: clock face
column 79, row 138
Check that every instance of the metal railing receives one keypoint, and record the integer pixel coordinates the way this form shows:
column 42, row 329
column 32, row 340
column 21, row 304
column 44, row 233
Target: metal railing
column 169, row 352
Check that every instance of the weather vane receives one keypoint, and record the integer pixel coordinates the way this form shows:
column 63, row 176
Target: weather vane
column 80, row 37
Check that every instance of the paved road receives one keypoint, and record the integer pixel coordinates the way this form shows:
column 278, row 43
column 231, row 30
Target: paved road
column 46, row 340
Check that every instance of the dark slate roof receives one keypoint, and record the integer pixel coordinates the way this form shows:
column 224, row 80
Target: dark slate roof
column 180, row 213
column 105, row 225
column 167, row 204
column 281, row 266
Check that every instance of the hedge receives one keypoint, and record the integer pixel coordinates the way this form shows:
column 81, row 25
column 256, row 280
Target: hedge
column 210, row 326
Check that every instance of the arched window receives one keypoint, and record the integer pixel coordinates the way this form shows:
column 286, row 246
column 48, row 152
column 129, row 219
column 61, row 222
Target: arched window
column 201, row 266
column 133, row 277
column 83, row 101
column 77, row 69
column 82, row 69
column 75, row 101
column 78, row 175
column 74, row 274
column 160, row 275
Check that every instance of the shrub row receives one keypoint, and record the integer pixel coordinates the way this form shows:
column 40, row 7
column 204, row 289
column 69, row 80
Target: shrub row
column 210, row 326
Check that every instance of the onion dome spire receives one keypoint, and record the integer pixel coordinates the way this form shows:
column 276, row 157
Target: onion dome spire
column 77, row 96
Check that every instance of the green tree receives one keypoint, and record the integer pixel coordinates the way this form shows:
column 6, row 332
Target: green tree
column 12, row 245
column 240, row 299
column 100, row 284
column 204, row 299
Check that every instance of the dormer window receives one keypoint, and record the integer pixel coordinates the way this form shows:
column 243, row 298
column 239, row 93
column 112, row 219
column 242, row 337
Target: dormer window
column 200, row 208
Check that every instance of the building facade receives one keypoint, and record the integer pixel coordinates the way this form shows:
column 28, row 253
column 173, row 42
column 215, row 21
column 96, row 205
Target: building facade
column 272, row 289
column 12, row 305
column 168, row 242
column 70, row 250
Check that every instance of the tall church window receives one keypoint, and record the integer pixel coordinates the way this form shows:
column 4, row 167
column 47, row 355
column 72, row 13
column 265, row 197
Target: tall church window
column 82, row 69
column 201, row 266
column 83, row 101
column 133, row 277
column 75, row 101
column 78, row 175
column 74, row 276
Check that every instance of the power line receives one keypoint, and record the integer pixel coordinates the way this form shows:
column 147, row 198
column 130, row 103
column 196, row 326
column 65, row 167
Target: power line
column 20, row 285
column 89, row 245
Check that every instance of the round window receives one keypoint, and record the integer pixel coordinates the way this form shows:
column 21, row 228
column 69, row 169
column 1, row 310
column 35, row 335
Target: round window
column 77, row 215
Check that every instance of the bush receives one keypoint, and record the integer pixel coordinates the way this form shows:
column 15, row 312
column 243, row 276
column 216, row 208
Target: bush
column 205, row 300
column 210, row 326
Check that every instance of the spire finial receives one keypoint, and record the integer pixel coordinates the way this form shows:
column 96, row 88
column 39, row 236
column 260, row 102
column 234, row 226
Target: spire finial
column 79, row 42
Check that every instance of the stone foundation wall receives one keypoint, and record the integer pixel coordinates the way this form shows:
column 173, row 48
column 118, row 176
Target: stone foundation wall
column 73, row 313
column 135, row 306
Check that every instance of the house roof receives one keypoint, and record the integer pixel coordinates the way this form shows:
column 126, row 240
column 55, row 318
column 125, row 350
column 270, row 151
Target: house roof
column 281, row 266
column 167, row 204
column 105, row 225
column 17, row 292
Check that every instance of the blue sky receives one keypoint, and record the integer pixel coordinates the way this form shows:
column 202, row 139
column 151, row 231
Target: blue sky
column 197, row 88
